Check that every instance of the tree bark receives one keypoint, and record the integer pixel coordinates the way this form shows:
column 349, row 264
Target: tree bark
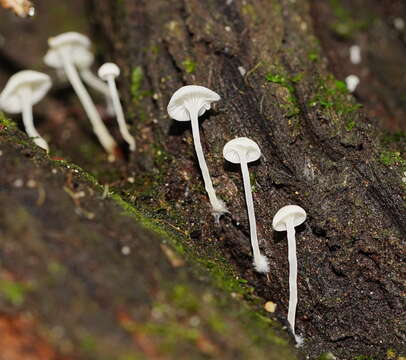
column 84, row 275
column 319, row 151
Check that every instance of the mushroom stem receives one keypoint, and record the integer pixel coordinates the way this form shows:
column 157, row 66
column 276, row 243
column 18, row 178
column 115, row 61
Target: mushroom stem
column 292, row 274
column 94, row 82
column 260, row 261
column 217, row 205
column 25, row 96
column 119, row 113
column 250, row 206
column 98, row 126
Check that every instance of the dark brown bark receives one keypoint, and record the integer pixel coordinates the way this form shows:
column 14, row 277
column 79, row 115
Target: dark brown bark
column 319, row 152
column 81, row 279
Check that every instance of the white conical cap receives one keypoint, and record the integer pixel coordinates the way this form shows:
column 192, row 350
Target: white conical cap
column 192, row 95
column 241, row 145
column 38, row 83
column 79, row 49
column 290, row 211
column 108, row 69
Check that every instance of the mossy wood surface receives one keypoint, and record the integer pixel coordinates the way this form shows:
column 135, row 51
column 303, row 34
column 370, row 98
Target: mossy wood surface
column 320, row 151
column 124, row 261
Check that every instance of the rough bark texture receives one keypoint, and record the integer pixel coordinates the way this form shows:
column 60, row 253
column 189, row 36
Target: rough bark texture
column 320, row 151
column 82, row 278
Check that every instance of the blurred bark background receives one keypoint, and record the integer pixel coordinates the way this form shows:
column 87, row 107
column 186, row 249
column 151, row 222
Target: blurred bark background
column 81, row 278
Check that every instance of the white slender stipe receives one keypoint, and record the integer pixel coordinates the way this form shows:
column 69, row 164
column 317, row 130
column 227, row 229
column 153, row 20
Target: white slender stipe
column 187, row 104
column 286, row 219
column 108, row 72
column 242, row 151
column 63, row 49
column 23, row 90
column 83, row 59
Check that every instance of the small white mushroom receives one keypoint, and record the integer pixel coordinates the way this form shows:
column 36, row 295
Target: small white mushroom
column 355, row 54
column 108, row 72
column 187, row 104
column 64, row 51
column 352, row 82
column 399, row 23
column 286, row 219
column 242, row 151
column 23, row 90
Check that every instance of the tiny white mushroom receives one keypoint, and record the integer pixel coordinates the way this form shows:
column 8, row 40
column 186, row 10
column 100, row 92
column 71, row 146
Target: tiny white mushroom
column 108, row 72
column 352, row 82
column 399, row 23
column 187, row 104
column 64, row 49
column 23, row 90
column 286, row 219
column 355, row 54
column 242, row 151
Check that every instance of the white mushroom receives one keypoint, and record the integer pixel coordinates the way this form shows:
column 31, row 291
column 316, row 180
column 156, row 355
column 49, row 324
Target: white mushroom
column 242, row 151
column 63, row 53
column 286, row 219
column 84, row 60
column 352, row 82
column 355, row 54
column 187, row 104
column 108, row 72
column 23, row 90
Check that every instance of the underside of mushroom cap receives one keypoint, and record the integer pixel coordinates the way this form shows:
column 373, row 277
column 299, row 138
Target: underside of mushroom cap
column 235, row 147
column 79, row 49
column 280, row 219
column 38, row 83
column 199, row 96
column 108, row 69
column 69, row 38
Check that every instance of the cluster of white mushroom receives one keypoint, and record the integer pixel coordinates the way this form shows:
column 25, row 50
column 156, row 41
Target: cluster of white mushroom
column 71, row 55
column 187, row 104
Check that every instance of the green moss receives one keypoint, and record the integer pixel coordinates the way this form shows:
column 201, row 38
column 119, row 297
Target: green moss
column 326, row 356
column 189, row 66
column 249, row 10
column 291, row 107
column 137, row 93
column 332, row 94
column 345, row 25
column 154, row 50
column 88, row 344
column 6, row 123
column 183, row 298
column 313, row 56
column 350, row 125
column 396, row 137
column 364, row 357
column 392, row 158
column 130, row 357
column 13, row 291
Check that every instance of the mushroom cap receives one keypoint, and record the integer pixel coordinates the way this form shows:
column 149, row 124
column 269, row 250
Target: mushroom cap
column 281, row 217
column 190, row 95
column 241, row 145
column 108, row 69
column 38, row 83
column 79, row 48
